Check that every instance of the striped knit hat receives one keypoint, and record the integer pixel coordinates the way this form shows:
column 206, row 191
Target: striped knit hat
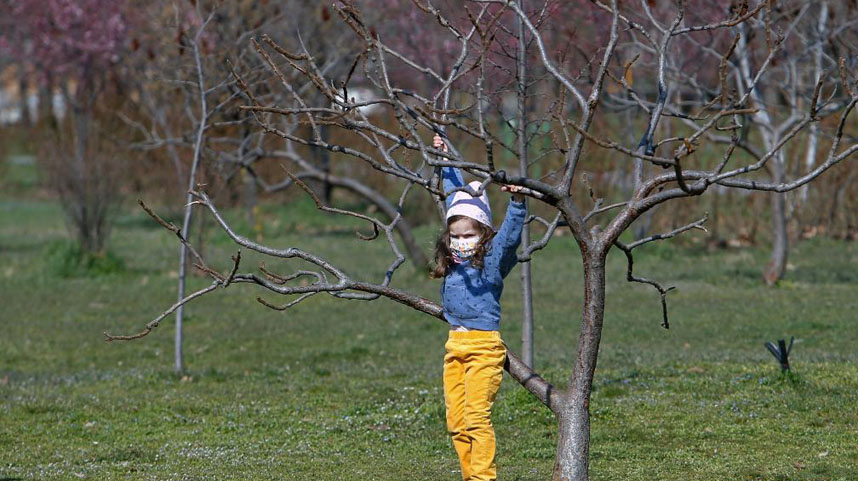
column 476, row 208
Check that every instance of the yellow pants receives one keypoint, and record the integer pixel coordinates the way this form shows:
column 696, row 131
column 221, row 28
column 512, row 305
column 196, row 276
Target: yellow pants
column 473, row 369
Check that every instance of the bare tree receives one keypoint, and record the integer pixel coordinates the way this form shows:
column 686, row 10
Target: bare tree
column 766, row 60
column 205, row 124
column 718, row 97
column 188, row 130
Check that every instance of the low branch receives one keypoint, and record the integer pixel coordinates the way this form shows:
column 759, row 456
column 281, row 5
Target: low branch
column 275, row 283
column 154, row 323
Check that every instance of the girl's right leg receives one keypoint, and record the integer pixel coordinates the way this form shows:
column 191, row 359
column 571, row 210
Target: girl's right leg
column 454, row 400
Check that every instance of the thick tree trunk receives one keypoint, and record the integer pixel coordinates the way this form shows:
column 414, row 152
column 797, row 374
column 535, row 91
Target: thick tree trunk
column 573, row 445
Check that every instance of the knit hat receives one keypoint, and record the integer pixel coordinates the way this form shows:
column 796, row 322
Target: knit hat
column 476, row 208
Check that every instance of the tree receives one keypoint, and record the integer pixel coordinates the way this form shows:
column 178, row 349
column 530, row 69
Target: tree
column 653, row 42
column 184, row 108
column 782, row 94
column 76, row 46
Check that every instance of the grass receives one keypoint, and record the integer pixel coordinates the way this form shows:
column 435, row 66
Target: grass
column 349, row 390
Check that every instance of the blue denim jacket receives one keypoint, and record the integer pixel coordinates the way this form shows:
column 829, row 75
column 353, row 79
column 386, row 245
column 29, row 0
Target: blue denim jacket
column 471, row 296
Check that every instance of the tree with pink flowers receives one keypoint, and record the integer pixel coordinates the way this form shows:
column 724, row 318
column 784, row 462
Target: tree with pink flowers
column 75, row 47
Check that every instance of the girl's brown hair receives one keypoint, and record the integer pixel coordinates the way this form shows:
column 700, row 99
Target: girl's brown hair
column 443, row 256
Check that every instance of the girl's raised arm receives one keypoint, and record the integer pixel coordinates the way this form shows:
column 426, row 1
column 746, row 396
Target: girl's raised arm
column 451, row 176
column 508, row 237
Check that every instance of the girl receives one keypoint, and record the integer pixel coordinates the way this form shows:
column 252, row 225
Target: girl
column 473, row 261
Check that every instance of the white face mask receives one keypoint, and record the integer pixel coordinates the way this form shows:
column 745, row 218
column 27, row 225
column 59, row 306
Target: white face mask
column 464, row 247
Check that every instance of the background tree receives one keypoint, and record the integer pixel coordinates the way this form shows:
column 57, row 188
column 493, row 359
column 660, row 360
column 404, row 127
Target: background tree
column 184, row 102
column 76, row 47
column 184, row 110
column 783, row 94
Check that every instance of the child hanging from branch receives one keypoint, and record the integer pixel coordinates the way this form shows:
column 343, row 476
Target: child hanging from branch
column 473, row 260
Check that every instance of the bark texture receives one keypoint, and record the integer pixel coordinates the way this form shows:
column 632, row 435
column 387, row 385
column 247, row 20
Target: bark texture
column 573, row 445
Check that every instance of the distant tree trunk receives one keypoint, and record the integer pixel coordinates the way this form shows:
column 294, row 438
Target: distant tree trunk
column 521, row 126
column 46, row 102
column 780, row 243
column 714, row 238
column 813, row 135
column 839, row 191
column 78, row 180
column 250, row 198
column 26, row 118
column 325, row 164
column 768, row 133
column 179, row 365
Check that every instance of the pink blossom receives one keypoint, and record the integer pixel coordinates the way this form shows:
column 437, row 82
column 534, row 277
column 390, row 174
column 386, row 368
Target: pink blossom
column 62, row 37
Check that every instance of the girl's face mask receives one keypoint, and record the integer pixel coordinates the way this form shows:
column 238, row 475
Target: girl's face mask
column 464, row 247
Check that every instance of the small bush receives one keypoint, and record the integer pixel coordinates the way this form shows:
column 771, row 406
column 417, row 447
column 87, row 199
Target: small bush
column 67, row 259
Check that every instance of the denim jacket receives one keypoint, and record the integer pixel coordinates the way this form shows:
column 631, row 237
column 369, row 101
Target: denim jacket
column 471, row 296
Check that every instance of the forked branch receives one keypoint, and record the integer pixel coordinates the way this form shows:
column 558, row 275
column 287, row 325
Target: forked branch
column 662, row 291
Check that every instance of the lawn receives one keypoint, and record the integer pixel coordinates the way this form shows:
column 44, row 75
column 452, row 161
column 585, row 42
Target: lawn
column 350, row 390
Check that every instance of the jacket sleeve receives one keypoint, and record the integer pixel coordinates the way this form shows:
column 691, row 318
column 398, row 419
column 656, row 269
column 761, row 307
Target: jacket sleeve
column 508, row 238
column 452, row 178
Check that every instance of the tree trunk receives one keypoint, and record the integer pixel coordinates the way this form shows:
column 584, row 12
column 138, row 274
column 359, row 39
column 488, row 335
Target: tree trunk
column 521, row 127
column 250, row 198
column 780, row 248
column 768, row 132
column 178, row 361
column 46, row 115
column 526, row 305
column 813, row 136
column 839, row 192
column 715, row 240
column 573, row 445
column 26, row 117
column 325, row 164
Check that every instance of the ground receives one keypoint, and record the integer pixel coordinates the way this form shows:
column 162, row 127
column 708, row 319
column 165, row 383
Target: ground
column 348, row 390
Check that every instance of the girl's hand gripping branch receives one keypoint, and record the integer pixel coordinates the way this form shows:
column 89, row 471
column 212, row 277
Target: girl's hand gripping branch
column 438, row 143
column 515, row 190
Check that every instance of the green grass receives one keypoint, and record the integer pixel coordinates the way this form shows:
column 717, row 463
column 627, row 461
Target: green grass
column 348, row 390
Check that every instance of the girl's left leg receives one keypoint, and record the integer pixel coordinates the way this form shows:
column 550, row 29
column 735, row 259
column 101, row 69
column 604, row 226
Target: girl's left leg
column 483, row 375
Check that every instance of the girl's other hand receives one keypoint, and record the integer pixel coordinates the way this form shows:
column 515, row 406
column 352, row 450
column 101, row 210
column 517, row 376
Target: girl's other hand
column 438, row 143
column 515, row 190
